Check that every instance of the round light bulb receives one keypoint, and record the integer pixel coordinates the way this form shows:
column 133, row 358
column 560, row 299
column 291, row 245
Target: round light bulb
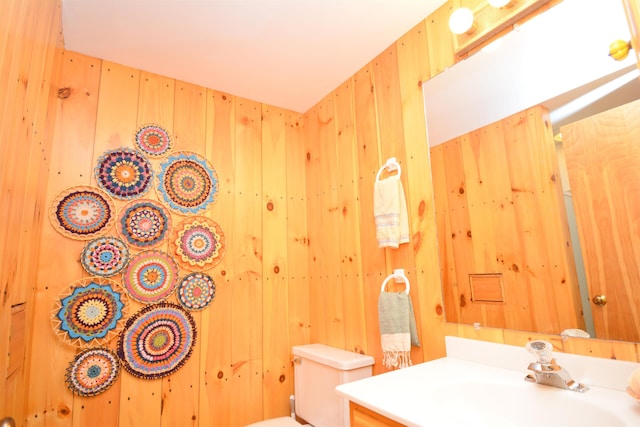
column 461, row 20
column 499, row 3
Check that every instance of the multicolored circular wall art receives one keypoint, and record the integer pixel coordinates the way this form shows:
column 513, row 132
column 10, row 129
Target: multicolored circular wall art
column 105, row 256
column 92, row 371
column 144, row 223
column 153, row 140
column 196, row 291
column 197, row 243
column 157, row 341
column 82, row 213
column 151, row 276
column 90, row 312
column 187, row 183
column 124, row 173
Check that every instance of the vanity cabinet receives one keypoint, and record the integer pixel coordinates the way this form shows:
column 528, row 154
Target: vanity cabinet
column 363, row 417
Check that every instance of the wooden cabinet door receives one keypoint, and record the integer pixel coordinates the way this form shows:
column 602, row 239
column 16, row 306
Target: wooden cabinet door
column 363, row 417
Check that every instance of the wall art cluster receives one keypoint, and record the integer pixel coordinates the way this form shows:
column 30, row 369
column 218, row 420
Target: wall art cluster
column 137, row 252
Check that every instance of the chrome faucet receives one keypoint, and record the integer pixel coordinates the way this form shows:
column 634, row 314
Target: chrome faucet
column 547, row 372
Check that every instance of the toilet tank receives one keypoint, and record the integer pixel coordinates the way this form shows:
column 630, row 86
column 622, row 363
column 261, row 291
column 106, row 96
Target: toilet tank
column 318, row 370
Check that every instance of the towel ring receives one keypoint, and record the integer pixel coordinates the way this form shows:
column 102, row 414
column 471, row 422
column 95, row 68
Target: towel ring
column 394, row 276
column 390, row 165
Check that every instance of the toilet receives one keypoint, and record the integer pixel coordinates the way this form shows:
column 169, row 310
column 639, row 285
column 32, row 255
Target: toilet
column 318, row 369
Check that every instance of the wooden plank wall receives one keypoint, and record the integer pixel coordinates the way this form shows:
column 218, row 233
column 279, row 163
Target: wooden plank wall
column 295, row 201
column 30, row 42
column 384, row 117
column 500, row 211
column 240, row 370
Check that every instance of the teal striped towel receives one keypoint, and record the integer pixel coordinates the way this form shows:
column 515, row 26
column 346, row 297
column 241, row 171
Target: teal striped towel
column 398, row 330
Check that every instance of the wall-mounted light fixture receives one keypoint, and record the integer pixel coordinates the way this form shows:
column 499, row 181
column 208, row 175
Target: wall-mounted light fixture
column 461, row 21
column 474, row 27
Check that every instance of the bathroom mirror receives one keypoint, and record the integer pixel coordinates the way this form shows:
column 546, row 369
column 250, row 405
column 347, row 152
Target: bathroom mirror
column 553, row 60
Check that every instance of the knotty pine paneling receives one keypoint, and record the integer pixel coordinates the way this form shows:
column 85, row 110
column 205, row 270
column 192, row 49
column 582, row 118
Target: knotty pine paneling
column 30, row 44
column 330, row 157
column 240, row 370
column 492, row 197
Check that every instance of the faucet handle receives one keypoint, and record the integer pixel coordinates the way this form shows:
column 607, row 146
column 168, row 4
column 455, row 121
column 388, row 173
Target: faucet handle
column 543, row 350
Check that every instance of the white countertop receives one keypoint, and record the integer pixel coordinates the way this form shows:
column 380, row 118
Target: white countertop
column 452, row 391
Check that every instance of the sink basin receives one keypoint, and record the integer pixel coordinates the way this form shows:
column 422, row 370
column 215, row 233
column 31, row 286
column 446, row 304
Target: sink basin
column 456, row 392
column 484, row 403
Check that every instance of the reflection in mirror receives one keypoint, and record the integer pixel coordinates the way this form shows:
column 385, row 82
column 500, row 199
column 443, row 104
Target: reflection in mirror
column 510, row 256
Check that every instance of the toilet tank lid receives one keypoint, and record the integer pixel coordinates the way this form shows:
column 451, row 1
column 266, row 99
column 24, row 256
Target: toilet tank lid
column 334, row 357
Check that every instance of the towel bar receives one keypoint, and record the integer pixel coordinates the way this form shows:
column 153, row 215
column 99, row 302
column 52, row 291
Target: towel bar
column 390, row 165
column 395, row 275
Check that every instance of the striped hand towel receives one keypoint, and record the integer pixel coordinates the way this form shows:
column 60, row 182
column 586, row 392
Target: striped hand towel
column 397, row 328
column 390, row 212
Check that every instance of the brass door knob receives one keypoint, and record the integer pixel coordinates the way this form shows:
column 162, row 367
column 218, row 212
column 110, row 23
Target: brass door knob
column 599, row 299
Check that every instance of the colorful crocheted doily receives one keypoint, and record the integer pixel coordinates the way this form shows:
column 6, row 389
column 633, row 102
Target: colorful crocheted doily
column 197, row 243
column 124, row 173
column 187, row 183
column 144, row 223
column 196, row 291
column 157, row 341
column 92, row 371
column 90, row 312
column 151, row 276
column 82, row 213
column 153, row 140
column 104, row 256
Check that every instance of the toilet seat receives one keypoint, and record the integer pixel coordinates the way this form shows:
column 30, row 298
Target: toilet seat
column 277, row 422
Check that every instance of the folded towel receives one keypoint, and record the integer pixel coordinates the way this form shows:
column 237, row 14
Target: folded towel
column 390, row 212
column 397, row 329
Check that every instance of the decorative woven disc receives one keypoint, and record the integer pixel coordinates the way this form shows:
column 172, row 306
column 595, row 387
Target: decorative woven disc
column 144, row 223
column 151, row 276
column 196, row 291
column 90, row 312
column 92, row 371
column 153, row 140
column 197, row 243
column 104, row 256
column 157, row 341
column 187, row 183
column 124, row 173
column 82, row 213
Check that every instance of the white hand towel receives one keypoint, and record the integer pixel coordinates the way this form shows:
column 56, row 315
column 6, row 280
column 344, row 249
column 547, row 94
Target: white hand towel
column 390, row 212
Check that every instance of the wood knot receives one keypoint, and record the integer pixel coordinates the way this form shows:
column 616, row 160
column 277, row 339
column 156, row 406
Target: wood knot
column 220, row 375
column 461, row 190
column 439, row 310
column 63, row 411
column 515, row 268
column 463, row 300
column 64, row 93
column 276, row 269
column 223, row 273
column 282, row 378
column 270, row 206
column 422, row 206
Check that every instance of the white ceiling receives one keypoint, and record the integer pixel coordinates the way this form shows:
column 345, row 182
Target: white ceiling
column 285, row 53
